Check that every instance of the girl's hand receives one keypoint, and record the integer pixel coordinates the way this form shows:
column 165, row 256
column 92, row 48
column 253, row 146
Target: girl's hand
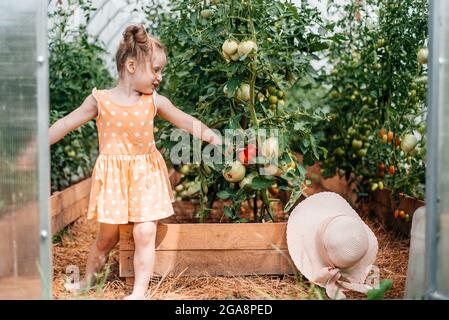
column 214, row 139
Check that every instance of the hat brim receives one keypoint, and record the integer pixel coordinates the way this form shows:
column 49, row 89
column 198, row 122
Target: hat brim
column 302, row 227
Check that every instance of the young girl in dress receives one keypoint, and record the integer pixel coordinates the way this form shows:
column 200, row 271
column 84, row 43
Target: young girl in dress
column 130, row 180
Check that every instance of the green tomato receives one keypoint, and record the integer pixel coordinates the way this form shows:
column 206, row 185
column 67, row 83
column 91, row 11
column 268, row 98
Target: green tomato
column 380, row 43
column 339, row 151
column 362, row 152
column 422, row 129
column 352, row 131
column 408, row 143
column 356, row 144
column 185, row 169
column 334, row 94
column 206, row 13
column 230, row 47
column 235, row 173
column 273, row 99
column 423, row 54
column 381, row 185
column 243, row 92
column 272, row 90
column 247, row 47
column 247, row 180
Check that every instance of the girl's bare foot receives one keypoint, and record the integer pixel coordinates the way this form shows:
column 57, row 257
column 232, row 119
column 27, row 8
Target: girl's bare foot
column 134, row 297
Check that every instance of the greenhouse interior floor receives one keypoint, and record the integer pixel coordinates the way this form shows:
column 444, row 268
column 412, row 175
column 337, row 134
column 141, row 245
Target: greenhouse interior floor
column 74, row 246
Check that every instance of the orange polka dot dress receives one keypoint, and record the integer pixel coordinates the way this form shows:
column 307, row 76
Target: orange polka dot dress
column 130, row 180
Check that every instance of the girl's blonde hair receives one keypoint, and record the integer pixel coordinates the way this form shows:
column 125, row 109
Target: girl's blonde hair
column 136, row 43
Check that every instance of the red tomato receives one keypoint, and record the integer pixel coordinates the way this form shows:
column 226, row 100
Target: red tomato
column 246, row 155
column 381, row 170
column 396, row 213
column 397, row 142
column 391, row 170
column 390, row 136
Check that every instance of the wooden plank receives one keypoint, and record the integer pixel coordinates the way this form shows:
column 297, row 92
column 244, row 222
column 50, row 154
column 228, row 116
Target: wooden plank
column 69, row 215
column 213, row 262
column 20, row 288
column 60, row 201
column 68, row 205
column 213, row 236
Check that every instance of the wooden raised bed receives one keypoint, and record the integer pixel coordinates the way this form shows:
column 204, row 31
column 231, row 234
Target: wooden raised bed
column 69, row 204
column 184, row 246
column 382, row 205
column 213, row 249
column 222, row 248
column 189, row 248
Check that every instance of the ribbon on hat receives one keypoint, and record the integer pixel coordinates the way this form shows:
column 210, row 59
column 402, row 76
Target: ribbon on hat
column 330, row 276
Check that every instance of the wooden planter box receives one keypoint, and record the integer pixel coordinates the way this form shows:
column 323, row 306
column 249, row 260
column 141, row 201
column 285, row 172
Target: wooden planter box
column 68, row 205
column 383, row 206
column 380, row 204
column 213, row 249
column 184, row 246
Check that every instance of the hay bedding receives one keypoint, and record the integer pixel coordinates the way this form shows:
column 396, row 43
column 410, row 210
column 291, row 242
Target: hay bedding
column 75, row 244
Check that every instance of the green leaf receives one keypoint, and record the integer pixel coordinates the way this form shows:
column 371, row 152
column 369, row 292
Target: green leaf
column 318, row 46
column 224, row 194
column 228, row 212
column 379, row 293
column 296, row 193
column 233, row 83
column 260, row 183
column 302, row 170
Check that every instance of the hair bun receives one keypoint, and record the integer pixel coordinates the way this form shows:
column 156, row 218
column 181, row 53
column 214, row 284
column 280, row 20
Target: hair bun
column 134, row 31
column 136, row 43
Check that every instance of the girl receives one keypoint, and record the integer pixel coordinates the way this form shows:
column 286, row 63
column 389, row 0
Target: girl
column 130, row 181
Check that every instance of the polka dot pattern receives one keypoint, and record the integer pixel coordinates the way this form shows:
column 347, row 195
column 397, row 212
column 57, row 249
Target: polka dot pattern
column 130, row 178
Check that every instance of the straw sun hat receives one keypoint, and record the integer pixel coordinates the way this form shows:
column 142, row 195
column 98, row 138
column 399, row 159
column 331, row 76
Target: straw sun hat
column 330, row 245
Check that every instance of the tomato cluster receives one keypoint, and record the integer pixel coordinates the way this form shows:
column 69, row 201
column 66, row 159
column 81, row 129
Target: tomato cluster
column 375, row 131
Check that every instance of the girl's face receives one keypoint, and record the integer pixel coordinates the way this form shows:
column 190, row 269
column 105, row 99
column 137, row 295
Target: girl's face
column 146, row 79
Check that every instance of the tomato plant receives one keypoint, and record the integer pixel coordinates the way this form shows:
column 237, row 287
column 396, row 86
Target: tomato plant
column 76, row 66
column 232, row 64
column 377, row 95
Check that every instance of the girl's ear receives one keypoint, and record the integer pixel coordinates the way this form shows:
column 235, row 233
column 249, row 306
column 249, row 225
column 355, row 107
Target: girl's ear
column 130, row 65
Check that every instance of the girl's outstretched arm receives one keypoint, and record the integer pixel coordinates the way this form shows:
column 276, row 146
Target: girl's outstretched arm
column 182, row 120
column 26, row 160
column 84, row 113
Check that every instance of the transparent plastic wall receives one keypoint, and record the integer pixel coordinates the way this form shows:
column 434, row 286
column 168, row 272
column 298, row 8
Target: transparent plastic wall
column 25, row 259
column 437, row 179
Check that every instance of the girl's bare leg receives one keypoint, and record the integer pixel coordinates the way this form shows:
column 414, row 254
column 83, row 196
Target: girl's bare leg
column 107, row 238
column 144, row 234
